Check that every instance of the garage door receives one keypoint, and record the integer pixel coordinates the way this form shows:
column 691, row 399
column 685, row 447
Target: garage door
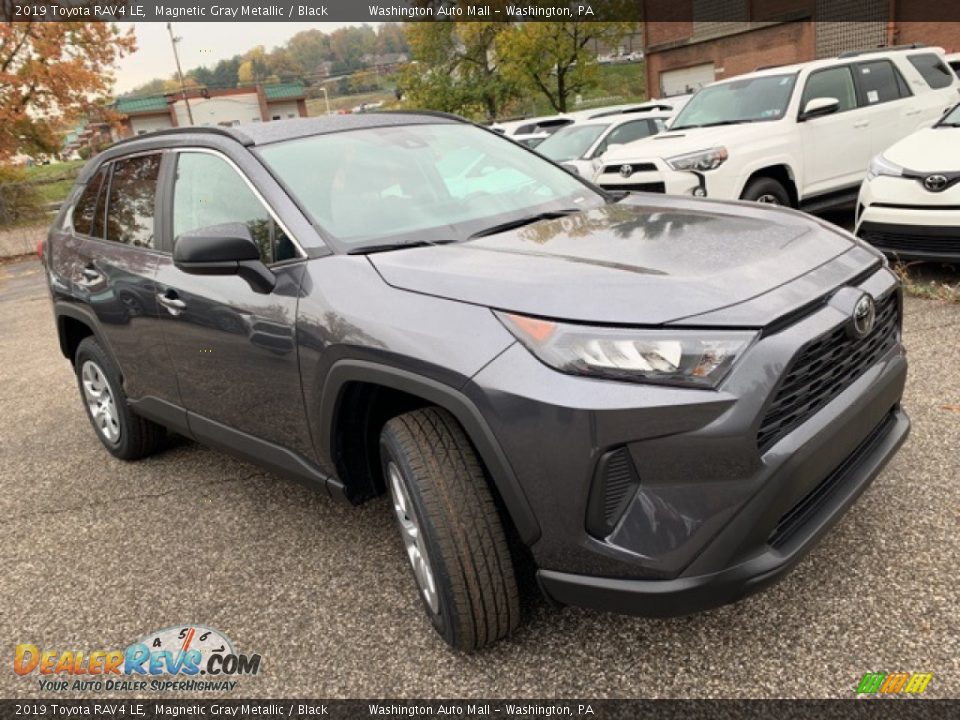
column 684, row 80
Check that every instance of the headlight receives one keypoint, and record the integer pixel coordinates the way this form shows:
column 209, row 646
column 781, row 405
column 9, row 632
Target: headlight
column 596, row 165
column 881, row 166
column 701, row 160
column 690, row 358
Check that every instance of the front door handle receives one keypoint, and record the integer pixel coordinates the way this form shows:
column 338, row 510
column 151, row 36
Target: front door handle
column 171, row 302
column 863, row 124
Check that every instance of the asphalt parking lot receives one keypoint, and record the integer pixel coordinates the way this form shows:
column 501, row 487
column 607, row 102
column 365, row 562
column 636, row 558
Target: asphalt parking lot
column 94, row 553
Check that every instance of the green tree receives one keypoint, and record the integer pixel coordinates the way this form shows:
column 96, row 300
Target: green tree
column 457, row 68
column 556, row 58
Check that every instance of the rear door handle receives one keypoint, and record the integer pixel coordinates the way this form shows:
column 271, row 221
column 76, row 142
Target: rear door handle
column 914, row 112
column 171, row 302
column 91, row 274
column 862, row 124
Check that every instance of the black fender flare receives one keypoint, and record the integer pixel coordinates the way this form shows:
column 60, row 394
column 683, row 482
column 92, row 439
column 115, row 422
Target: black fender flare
column 452, row 400
column 63, row 309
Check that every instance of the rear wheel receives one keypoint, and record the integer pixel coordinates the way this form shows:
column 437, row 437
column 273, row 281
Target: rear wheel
column 450, row 527
column 767, row 191
column 124, row 434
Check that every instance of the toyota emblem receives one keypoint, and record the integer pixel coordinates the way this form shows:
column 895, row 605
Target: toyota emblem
column 626, row 170
column 935, row 183
column 864, row 316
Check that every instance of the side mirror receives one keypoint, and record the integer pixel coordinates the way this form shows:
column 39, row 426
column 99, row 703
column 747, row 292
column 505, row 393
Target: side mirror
column 225, row 249
column 818, row 107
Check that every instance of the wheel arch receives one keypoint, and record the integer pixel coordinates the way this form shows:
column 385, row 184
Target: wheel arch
column 342, row 400
column 73, row 325
column 782, row 173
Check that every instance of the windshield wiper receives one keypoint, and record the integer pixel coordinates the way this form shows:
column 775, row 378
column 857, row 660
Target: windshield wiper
column 386, row 247
column 520, row 222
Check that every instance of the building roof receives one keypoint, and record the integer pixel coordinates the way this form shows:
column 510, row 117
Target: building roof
column 148, row 104
column 284, row 91
column 278, row 131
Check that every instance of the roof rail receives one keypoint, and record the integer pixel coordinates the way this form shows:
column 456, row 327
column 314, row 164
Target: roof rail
column 869, row 51
column 240, row 137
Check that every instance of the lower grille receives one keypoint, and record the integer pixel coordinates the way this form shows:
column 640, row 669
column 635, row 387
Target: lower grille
column 795, row 517
column 655, row 187
column 825, row 368
column 905, row 244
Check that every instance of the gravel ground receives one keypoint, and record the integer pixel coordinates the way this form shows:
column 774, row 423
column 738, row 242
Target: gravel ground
column 94, row 553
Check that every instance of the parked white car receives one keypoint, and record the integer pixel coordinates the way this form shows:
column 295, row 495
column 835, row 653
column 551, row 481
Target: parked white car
column 799, row 135
column 575, row 146
column 909, row 203
column 532, row 131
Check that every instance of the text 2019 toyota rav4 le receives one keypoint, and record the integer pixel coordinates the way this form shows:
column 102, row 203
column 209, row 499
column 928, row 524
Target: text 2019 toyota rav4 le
column 663, row 401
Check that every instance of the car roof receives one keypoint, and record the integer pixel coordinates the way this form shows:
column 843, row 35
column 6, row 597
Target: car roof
column 845, row 59
column 252, row 134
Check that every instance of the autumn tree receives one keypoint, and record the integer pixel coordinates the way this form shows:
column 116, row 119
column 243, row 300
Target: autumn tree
column 557, row 58
column 53, row 73
column 457, row 68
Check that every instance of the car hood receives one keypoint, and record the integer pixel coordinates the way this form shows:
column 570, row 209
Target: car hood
column 929, row 150
column 638, row 262
column 677, row 142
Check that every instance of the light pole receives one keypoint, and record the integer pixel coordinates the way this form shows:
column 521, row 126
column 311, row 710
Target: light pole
column 326, row 97
column 176, row 56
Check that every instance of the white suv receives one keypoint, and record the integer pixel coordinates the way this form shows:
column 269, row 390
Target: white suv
column 800, row 135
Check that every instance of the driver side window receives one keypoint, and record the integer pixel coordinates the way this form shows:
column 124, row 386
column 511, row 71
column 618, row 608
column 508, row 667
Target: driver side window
column 208, row 191
column 831, row 83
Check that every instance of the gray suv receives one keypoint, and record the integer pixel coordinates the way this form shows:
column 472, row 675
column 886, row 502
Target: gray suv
column 653, row 405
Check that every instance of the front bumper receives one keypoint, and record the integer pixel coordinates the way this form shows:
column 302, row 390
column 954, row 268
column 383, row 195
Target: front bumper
column 654, row 175
column 707, row 520
column 902, row 219
column 690, row 594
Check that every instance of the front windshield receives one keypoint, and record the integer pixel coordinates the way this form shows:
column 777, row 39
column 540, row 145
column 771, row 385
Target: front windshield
column 752, row 99
column 570, row 143
column 419, row 183
column 952, row 118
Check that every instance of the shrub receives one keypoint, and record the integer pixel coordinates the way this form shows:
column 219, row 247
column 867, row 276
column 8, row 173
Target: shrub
column 19, row 199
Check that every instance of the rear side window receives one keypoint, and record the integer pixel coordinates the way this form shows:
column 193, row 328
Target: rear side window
column 85, row 210
column 208, row 191
column 934, row 71
column 880, row 82
column 831, row 83
column 131, row 204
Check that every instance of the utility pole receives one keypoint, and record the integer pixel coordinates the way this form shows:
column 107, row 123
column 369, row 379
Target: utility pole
column 176, row 56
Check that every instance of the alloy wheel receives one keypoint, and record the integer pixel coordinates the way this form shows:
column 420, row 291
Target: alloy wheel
column 412, row 538
column 100, row 401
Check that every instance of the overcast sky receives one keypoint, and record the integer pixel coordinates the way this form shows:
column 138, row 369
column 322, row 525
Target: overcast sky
column 204, row 43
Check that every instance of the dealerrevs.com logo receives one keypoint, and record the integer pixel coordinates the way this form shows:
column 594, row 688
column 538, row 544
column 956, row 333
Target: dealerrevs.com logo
column 890, row 684
column 184, row 658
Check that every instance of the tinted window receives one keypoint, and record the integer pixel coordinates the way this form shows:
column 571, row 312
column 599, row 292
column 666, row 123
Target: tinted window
column 628, row 132
column 85, row 209
column 833, row 83
column 880, row 82
column 208, row 191
column 933, row 70
column 130, row 209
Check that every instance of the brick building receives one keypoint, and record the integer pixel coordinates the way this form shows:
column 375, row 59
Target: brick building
column 690, row 43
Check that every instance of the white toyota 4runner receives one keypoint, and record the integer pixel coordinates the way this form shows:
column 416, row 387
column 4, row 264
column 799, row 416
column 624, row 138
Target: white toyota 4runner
column 799, row 135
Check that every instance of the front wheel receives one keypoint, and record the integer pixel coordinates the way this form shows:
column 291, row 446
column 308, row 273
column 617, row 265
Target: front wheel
column 450, row 528
column 767, row 191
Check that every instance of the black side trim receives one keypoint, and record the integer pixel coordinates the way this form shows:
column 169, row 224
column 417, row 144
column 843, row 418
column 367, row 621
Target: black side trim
column 476, row 427
column 903, row 206
column 162, row 412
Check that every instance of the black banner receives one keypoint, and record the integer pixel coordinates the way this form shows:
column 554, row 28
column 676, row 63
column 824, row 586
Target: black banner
column 894, row 709
column 698, row 11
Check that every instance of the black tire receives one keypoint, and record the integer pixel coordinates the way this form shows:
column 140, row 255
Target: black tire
column 138, row 437
column 476, row 590
column 764, row 187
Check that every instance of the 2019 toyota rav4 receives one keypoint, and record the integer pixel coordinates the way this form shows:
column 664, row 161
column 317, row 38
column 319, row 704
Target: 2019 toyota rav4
column 663, row 402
